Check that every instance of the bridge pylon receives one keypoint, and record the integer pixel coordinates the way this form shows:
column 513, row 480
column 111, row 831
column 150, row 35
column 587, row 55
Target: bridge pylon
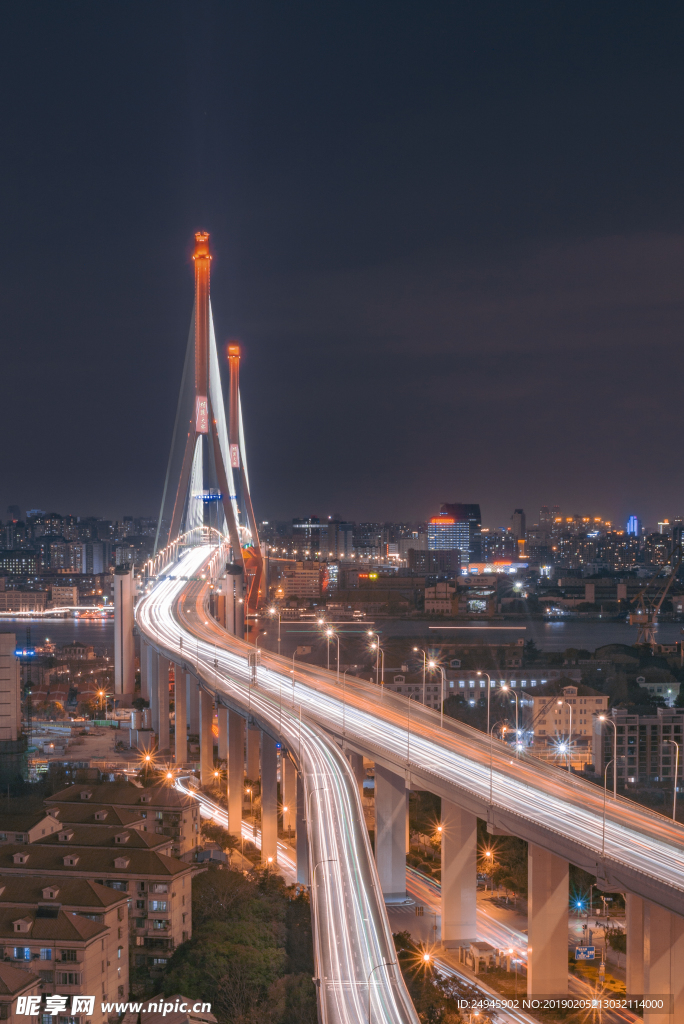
column 206, row 479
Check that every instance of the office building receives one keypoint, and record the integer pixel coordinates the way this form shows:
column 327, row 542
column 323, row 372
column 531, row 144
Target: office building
column 518, row 524
column 470, row 514
column 10, row 701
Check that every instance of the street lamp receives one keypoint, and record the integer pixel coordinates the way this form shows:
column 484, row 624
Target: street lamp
column 272, row 612
column 604, row 718
column 377, row 657
column 433, row 664
column 331, row 633
column 612, row 761
column 491, row 759
column 513, row 693
column 489, row 693
column 674, row 796
column 561, row 702
column 385, row 963
column 416, row 649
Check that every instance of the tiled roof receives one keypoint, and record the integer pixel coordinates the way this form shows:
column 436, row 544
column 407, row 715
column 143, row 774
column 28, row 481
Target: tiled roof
column 71, row 892
column 13, row 981
column 22, row 822
column 121, row 794
column 83, row 813
column 97, row 835
column 63, row 928
column 48, row 859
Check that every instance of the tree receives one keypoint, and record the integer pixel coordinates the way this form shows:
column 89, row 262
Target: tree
column 215, row 833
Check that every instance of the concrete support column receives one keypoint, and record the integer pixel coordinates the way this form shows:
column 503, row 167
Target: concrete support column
column 634, row 927
column 302, row 839
column 181, row 714
column 390, row 833
column 253, row 743
column 663, row 961
column 193, row 706
column 269, row 800
column 163, row 686
column 206, row 737
column 236, row 771
column 124, row 643
column 144, row 688
column 408, row 829
column 288, row 792
column 222, row 717
column 153, row 685
column 547, row 922
column 459, row 876
column 356, row 762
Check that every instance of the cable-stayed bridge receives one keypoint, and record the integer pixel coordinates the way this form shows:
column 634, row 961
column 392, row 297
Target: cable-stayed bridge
column 206, row 571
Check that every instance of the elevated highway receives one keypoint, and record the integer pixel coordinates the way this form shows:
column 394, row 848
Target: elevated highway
column 628, row 847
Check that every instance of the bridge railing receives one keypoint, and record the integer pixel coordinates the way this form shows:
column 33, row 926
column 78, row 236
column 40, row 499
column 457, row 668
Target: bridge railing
column 199, row 535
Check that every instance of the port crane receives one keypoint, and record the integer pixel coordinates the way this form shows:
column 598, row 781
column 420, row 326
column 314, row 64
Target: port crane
column 648, row 605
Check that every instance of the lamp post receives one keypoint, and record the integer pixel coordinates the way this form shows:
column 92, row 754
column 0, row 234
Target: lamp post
column 561, row 702
column 276, row 611
column 441, row 703
column 489, row 693
column 612, row 761
column 604, row 718
column 331, row 633
column 377, row 656
column 491, row 761
column 416, row 649
column 674, row 795
column 385, row 963
column 513, row 693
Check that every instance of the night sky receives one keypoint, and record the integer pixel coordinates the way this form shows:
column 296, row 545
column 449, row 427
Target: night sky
column 450, row 237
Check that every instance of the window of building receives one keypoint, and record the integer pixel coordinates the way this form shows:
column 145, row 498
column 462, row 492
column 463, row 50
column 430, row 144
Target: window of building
column 22, row 953
column 46, row 954
column 159, row 905
column 67, row 954
column 68, row 978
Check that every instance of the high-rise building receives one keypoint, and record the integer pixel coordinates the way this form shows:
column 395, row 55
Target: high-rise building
column 633, row 527
column 469, row 515
column 518, row 524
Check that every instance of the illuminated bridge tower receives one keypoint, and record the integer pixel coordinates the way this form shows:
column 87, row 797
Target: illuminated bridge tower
column 206, row 480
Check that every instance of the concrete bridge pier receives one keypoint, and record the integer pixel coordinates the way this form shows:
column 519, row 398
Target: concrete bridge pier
column 663, row 961
column 459, row 876
column 547, row 922
column 144, row 688
column 253, row 743
column 181, row 713
column 634, row 928
column 163, row 705
column 356, row 762
column 222, row 720
column 236, row 771
column 269, row 800
column 153, row 688
column 206, row 736
column 302, row 838
column 390, row 833
column 288, row 791
column 193, row 706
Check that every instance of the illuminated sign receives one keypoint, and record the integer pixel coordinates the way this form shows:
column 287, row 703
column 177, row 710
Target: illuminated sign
column 444, row 520
column 201, row 414
column 235, row 456
column 25, row 652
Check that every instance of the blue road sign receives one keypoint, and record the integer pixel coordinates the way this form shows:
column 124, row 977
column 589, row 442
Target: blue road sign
column 585, row 952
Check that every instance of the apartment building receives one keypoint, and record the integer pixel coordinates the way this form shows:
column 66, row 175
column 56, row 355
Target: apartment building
column 110, row 837
column 645, row 751
column 163, row 809
column 48, row 896
column 15, row 983
column 554, row 715
column 159, row 887
column 73, row 955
